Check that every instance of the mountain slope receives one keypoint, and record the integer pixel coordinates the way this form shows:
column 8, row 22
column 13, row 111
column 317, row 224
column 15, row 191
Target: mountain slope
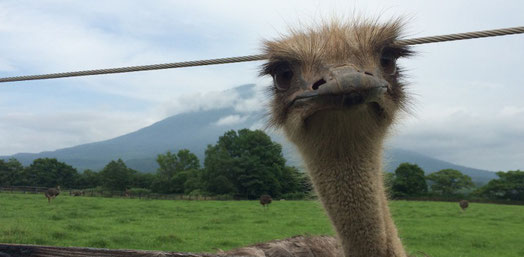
column 394, row 157
column 196, row 129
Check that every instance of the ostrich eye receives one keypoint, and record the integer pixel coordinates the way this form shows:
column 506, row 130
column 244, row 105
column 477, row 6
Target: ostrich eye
column 389, row 63
column 282, row 78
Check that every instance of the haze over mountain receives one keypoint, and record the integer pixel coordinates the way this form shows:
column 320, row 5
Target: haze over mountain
column 196, row 129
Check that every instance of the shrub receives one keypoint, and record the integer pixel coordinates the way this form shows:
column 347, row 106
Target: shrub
column 296, row 196
column 139, row 191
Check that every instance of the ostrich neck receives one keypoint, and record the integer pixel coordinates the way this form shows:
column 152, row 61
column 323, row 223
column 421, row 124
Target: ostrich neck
column 349, row 182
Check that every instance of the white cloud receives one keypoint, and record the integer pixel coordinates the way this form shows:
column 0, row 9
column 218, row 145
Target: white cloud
column 256, row 103
column 5, row 66
column 209, row 100
column 230, row 120
column 262, row 125
column 512, row 111
column 25, row 132
column 482, row 139
column 250, row 105
column 199, row 101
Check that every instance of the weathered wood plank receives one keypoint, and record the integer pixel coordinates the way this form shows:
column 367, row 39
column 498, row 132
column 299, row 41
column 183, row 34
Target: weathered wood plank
column 18, row 250
column 297, row 246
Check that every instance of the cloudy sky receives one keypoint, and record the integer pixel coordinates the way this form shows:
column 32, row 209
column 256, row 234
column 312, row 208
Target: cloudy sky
column 468, row 108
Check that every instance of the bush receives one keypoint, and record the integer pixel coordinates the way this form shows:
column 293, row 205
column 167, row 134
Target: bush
column 197, row 192
column 224, row 197
column 97, row 189
column 139, row 191
column 296, row 196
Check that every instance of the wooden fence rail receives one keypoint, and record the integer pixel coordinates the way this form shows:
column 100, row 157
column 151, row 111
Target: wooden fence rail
column 457, row 199
column 109, row 193
column 19, row 250
column 24, row 189
column 148, row 195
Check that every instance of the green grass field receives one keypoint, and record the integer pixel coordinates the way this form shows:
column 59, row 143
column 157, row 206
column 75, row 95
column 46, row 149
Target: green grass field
column 436, row 228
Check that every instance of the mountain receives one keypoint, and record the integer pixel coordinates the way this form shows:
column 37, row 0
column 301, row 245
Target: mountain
column 395, row 156
column 193, row 130
column 196, row 129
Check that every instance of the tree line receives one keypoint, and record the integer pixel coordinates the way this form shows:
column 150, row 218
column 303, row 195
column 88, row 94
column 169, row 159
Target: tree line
column 244, row 164
column 408, row 180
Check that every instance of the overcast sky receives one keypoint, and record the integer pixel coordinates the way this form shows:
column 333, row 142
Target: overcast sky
column 469, row 95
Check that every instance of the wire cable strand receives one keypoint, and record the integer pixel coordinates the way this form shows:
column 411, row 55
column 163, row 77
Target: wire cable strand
column 259, row 57
column 463, row 36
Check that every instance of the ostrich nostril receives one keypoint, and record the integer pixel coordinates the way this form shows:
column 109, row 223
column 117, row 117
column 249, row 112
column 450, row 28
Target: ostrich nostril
column 368, row 73
column 318, row 84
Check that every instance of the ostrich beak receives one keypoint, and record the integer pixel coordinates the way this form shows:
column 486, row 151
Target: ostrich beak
column 355, row 87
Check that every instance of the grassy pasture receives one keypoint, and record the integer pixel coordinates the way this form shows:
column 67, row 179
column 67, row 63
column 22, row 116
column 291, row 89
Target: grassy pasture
column 437, row 228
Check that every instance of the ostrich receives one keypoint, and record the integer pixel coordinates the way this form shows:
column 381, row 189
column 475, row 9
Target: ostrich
column 77, row 193
column 464, row 204
column 52, row 193
column 336, row 91
column 265, row 200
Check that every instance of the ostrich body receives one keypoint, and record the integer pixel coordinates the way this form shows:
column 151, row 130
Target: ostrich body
column 265, row 200
column 336, row 91
column 77, row 193
column 52, row 193
column 464, row 204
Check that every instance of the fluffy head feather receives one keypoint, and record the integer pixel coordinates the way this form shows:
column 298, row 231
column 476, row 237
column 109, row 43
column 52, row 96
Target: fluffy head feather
column 310, row 53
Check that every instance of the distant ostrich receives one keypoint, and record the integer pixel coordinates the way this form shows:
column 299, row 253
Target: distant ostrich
column 78, row 193
column 265, row 200
column 52, row 193
column 464, row 204
column 336, row 91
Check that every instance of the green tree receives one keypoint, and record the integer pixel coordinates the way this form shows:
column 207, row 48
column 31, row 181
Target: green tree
column 177, row 182
column 186, row 181
column 221, row 185
column 248, row 164
column 509, row 186
column 89, row 179
column 409, row 181
column 169, row 163
column 174, row 171
column 142, row 180
column 11, row 172
column 389, row 179
column 187, row 161
column 161, row 184
column 116, row 176
column 193, row 182
column 291, row 180
column 49, row 172
column 449, row 181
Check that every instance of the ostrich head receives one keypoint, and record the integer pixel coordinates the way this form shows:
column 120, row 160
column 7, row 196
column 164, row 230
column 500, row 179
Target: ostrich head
column 337, row 81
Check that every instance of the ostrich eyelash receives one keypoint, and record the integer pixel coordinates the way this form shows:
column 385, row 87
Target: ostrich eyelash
column 397, row 51
column 272, row 67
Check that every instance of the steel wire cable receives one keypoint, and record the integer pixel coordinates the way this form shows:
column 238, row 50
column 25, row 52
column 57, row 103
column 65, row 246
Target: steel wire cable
column 248, row 58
